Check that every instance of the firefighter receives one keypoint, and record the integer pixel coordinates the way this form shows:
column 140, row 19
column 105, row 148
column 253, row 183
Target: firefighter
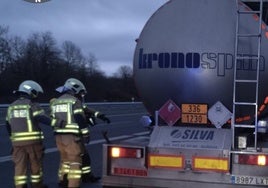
column 91, row 115
column 23, row 118
column 71, row 130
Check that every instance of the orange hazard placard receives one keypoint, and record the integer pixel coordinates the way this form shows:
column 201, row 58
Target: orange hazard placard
column 170, row 112
column 194, row 113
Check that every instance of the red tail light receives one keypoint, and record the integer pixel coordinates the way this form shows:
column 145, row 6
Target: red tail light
column 124, row 152
column 261, row 160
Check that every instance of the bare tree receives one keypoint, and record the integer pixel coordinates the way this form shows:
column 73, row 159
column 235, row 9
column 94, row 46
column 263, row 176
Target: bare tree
column 40, row 55
column 124, row 72
column 18, row 46
column 91, row 64
column 38, row 58
column 5, row 51
column 72, row 54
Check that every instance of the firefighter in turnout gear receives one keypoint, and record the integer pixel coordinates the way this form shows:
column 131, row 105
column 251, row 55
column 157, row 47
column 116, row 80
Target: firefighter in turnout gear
column 23, row 118
column 91, row 115
column 71, row 130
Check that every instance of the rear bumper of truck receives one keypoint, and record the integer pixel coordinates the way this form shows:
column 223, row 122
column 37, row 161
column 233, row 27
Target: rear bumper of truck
column 136, row 174
column 164, row 161
column 136, row 182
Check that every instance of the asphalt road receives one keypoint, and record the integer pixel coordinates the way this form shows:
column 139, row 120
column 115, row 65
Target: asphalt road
column 124, row 124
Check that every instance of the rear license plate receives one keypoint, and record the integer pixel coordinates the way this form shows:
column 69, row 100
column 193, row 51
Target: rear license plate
column 250, row 180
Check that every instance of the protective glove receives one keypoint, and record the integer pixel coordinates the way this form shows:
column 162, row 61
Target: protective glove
column 104, row 118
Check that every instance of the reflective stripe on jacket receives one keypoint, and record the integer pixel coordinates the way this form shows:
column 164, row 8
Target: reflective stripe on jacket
column 20, row 117
column 63, row 111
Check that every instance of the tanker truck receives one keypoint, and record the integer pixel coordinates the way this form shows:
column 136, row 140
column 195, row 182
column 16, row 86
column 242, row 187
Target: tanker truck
column 200, row 69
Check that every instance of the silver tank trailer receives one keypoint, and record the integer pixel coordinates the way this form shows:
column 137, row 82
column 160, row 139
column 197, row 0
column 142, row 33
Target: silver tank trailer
column 185, row 52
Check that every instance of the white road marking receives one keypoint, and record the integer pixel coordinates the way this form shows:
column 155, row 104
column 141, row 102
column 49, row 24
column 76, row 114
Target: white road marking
column 51, row 150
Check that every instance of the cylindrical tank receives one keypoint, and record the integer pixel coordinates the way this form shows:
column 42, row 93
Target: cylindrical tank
column 186, row 53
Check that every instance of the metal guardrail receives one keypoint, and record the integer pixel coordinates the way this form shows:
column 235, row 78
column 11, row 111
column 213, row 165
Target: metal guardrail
column 108, row 108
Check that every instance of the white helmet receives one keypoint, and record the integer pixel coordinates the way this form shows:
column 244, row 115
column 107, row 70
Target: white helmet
column 75, row 85
column 30, row 87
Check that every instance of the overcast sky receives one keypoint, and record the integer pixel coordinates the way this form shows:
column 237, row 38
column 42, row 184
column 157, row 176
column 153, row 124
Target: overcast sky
column 106, row 28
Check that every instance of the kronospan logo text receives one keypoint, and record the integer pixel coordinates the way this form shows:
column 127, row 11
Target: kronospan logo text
column 192, row 60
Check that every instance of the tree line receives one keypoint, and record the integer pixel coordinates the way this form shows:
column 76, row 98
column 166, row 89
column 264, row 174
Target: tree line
column 40, row 58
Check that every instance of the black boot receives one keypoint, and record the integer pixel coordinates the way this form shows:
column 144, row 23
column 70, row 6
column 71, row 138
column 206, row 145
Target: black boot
column 38, row 185
column 90, row 178
column 64, row 183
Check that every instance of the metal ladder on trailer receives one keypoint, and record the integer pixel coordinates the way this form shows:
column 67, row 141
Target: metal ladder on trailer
column 239, row 104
